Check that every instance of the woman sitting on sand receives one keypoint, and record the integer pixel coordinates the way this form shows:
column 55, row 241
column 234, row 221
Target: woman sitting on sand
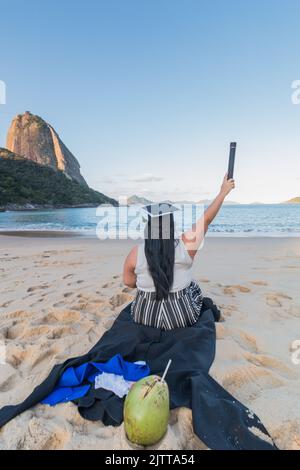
column 161, row 267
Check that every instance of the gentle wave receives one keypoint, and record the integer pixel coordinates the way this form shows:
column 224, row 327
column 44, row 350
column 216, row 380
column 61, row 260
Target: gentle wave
column 238, row 220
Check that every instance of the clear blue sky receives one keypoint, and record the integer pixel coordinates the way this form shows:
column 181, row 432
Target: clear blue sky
column 147, row 94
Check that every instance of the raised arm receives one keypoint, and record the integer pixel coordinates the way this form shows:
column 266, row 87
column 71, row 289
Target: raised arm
column 193, row 238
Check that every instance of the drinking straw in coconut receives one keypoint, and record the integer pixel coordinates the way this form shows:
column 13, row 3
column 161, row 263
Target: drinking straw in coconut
column 161, row 380
column 166, row 370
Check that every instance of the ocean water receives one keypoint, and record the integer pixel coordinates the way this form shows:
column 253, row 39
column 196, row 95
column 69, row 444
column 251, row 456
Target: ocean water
column 232, row 220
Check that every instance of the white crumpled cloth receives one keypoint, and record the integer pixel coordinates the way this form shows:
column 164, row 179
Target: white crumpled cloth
column 115, row 383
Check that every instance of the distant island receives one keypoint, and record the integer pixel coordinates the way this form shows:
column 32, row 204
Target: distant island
column 38, row 171
column 295, row 200
column 136, row 200
column 209, row 201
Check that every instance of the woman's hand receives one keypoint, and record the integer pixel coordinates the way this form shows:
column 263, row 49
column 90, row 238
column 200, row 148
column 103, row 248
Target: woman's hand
column 227, row 185
column 194, row 237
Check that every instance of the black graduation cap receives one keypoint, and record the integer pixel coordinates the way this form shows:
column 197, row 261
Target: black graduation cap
column 159, row 209
column 159, row 226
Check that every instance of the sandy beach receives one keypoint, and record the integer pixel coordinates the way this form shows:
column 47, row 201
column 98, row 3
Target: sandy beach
column 59, row 295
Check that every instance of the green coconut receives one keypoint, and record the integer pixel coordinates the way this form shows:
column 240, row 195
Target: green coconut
column 146, row 411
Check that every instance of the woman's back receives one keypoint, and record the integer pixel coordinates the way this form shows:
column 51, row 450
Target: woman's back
column 161, row 268
column 182, row 269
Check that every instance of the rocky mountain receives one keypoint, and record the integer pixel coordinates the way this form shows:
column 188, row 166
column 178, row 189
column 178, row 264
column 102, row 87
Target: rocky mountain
column 135, row 200
column 25, row 184
column 34, row 139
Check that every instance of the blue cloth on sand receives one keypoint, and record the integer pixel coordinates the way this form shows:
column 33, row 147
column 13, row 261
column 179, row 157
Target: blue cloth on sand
column 71, row 384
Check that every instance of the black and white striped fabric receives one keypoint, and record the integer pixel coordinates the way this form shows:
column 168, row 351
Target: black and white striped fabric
column 179, row 309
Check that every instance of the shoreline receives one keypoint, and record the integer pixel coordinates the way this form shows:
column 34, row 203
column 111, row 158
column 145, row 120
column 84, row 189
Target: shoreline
column 50, row 207
column 41, row 234
column 28, row 207
column 92, row 235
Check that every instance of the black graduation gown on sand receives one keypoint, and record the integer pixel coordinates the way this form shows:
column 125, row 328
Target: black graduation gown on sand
column 219, row 420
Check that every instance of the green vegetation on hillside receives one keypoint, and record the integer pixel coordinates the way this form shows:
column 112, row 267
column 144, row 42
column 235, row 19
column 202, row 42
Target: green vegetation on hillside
column 294, row 200
column 25, row 182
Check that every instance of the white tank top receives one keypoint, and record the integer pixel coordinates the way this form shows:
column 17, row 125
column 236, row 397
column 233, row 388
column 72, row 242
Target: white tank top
column 182, row 269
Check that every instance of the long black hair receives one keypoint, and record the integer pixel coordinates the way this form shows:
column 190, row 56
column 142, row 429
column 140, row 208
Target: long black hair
column 160, row 252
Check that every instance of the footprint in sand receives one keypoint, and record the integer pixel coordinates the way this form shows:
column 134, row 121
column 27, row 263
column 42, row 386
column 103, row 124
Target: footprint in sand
column 41, row 299
column 232, row 289
column 60, row 332
column 15, row 330
column 34, row 288
column 294, row 311
column 68, row 294
column 9, row 259
column 8, row 384
column 18, row 315
column 107, row 285
column 227, row 310
column 40, row 436
column 276, row 299
column 81, row 296
column 6, row 304
column 59, row 304
column 283, row 307
column 89, row 306
column 63, row 316
column 16, row 356
column 271, row 363
column 35, row 331
column 259, row 283
column 249, row 381
column 120, row 299
column 245, row 340
column 67, row 276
